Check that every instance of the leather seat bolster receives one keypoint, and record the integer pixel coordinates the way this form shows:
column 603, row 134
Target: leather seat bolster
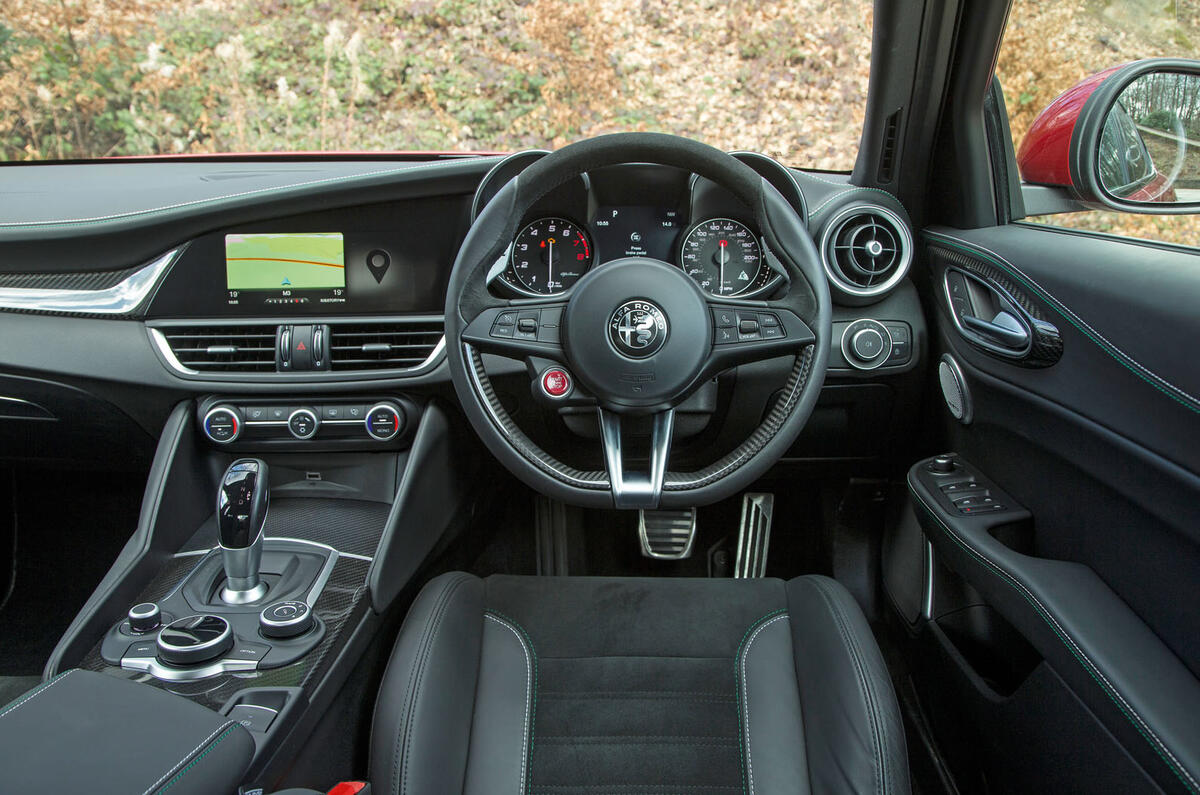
column 421, row 734
column 855, row 737
column 772, row 730
column 503, row 721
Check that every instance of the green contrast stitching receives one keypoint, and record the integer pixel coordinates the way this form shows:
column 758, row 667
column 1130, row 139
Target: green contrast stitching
column 737, row 687
column 196, row 761
column 22, row 699
column 1087, row 665
column 533, row 710
column 941, row 241
column 839, row 194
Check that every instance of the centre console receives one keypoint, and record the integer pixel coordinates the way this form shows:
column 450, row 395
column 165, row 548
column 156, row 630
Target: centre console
column 276, row 535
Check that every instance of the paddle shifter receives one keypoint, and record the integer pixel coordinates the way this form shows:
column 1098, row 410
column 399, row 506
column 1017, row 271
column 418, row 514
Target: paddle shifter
column 242, row 504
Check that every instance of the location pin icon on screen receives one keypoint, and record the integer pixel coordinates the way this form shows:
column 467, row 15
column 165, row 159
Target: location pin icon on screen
column 378, row 263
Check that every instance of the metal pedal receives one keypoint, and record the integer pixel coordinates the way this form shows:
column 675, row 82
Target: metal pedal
column 667, row 535
column 754, row 535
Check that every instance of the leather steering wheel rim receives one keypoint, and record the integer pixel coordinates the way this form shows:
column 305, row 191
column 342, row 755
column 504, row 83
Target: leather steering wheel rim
column 807, row 300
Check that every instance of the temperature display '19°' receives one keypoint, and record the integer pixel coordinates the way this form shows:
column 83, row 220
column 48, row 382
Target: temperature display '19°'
column 550, row 255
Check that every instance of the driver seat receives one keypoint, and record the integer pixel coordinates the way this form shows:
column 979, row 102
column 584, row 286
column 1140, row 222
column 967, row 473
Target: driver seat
column 623, row 686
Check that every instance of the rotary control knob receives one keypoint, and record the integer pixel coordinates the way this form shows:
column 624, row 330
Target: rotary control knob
column 866, row 344
column 303, row 423
column 384, row 421
column 195, row 639
column 285, row 619
column 223, row 424
column 145, row 617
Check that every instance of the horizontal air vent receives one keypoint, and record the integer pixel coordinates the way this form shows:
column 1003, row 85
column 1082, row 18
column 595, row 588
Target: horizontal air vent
column 867, row 250
column 391, row 345
column 223, row 349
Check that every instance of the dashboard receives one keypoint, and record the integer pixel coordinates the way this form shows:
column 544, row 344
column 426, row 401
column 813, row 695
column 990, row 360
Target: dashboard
column 165, row 280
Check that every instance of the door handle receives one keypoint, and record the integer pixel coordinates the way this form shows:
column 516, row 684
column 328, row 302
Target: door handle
column 1003, row 329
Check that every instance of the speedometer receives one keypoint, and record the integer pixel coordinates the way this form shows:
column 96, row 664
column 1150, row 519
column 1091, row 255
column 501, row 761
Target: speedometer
column 721, row 255
column 550, row 255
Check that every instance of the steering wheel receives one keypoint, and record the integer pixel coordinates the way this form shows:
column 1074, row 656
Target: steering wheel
column 639, row 334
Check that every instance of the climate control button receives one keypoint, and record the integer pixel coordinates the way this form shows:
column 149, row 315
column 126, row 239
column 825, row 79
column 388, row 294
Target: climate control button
column 384, row 422
column 303, row 423
column 223, row 424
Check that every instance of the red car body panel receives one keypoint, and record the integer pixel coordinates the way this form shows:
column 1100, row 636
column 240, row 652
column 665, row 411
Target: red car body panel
column 1044, row 154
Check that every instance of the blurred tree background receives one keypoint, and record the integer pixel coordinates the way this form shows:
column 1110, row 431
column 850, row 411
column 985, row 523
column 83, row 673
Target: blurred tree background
column 96, row 78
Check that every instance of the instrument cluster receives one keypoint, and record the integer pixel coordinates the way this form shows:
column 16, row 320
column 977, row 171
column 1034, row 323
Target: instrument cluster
column 639, row 210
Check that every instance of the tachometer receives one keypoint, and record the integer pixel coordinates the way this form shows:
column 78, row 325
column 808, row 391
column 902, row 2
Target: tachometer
column 721, row 255
column 550, row 255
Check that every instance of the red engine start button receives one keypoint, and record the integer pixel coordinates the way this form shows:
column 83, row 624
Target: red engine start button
column 556, row 382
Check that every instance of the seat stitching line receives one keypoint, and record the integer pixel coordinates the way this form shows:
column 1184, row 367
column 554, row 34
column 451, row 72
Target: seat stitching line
column 416, row 676
column 1080, row 655
column 209, row 739
column 528, row 695
column 1101, row 341
column 868, row 692
column 405, row 706
column 40, row 689
column 745, row 653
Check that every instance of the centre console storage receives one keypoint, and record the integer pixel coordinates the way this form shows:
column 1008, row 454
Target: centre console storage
column 122, row 737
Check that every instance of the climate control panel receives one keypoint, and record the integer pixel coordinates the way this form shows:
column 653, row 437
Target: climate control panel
column 370, row 420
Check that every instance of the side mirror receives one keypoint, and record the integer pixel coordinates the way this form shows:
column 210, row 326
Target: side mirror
column 1127, row 138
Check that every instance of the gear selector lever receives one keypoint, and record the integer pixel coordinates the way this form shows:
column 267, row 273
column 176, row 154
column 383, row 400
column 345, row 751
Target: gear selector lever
column 242, row 502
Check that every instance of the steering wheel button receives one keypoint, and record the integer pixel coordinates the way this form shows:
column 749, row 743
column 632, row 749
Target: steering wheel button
column 506, row 319
column 556, row 383
column 724, row 318
column 748, row 326
column 725, row 336
column 766, row 319
column 527, row 325
column 503, row 331
column 772, row 332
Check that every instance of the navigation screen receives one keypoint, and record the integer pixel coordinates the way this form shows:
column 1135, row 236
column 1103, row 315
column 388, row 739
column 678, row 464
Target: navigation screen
column 295, row 268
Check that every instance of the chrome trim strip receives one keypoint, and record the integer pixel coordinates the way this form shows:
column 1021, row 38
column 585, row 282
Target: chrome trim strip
column 927, row 596
column 152, row 666
column 636, row 489
column 164, row 349
column 119, row 299
column 48, row 415
column 341, row 554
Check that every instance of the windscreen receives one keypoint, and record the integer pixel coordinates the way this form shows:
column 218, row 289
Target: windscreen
column 87, row 79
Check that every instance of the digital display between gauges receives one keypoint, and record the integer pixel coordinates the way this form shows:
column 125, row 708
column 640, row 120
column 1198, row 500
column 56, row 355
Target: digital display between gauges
column 722, row 256
column 549, row 255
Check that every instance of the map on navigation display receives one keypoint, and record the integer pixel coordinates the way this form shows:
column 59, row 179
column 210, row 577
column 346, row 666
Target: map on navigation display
column 285, row 261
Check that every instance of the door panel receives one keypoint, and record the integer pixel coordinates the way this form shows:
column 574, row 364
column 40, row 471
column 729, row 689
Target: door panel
column 1101, row 446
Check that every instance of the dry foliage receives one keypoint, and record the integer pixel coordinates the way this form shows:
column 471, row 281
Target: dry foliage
column 90, row 78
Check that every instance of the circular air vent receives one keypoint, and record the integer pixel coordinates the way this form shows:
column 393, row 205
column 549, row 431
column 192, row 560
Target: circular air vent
column 866, row 250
